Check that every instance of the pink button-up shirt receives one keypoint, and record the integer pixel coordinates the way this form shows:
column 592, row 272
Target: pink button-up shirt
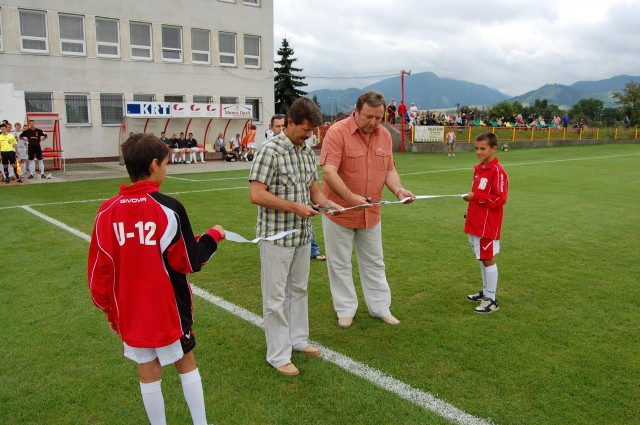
column 362, row 166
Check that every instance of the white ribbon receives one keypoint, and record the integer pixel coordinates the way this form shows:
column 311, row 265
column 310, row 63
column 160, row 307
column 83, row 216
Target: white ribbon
column 234, row 237
column 402, row 201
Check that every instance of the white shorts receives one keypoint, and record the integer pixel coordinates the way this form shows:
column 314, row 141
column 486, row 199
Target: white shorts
column 251, row 145
column 166, row 355
column 484, row 248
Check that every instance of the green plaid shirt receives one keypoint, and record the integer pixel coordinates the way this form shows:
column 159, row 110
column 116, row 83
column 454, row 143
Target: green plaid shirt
column 288, row 171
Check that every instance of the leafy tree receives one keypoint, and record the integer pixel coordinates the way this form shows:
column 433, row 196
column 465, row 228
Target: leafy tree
column 287, row 84
column 629, row 99
column 502, row 109
column 612, row 116
column 589, row 109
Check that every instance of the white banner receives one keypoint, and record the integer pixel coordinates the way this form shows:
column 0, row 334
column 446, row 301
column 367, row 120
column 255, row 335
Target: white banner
column 193, row 110
column 429, row 133
column 237, row 111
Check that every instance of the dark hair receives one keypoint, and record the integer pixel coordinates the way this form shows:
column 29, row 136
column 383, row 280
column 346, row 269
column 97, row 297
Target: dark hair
column 3, row 125
column 490, row 138
column 371, row 98
column 277, row 117
column 304, row 109
column 139, row 151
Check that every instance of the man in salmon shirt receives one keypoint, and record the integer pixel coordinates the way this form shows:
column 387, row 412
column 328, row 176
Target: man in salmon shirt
column 357, row 162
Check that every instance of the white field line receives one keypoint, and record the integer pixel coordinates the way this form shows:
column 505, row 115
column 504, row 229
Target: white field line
column 207, row 180
column 404, row 174
column 380, row 379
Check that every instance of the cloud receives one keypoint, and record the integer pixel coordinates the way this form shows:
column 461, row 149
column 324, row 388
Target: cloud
column 511, row 45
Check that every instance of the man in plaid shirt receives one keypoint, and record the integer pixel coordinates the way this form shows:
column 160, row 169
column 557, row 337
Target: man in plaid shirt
column 284, row 185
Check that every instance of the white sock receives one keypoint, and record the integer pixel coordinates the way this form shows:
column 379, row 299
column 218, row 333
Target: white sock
column 492, row 281
column 173, row 157
column 201, row 156
column 192, row 389
column 153, row 402
column 32, row 167
column 483, row 270
column 41, row 166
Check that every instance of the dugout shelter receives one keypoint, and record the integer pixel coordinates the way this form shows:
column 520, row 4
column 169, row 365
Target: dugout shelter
column 204, row 120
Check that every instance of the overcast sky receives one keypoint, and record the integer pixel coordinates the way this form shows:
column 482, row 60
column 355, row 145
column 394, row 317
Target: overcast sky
column 510, row 45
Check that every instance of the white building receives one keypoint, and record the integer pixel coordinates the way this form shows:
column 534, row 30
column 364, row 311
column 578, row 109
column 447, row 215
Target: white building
column 84, row 59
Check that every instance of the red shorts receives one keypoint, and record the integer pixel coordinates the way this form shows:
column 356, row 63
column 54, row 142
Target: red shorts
column 484, row 248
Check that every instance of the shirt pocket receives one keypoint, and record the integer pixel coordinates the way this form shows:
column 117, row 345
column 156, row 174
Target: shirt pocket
column 381, row 159
column 355, row 160
column 287, row 176
column 309, row 173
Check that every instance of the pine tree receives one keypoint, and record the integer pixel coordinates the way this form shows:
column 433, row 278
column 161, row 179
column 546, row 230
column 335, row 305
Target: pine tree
column 286, row 83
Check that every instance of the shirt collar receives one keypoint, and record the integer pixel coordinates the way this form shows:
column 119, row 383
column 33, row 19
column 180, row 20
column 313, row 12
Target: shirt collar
column 283, row 140
column 139, row 188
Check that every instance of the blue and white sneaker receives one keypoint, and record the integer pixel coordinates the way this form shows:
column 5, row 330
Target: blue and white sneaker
column 487, row 305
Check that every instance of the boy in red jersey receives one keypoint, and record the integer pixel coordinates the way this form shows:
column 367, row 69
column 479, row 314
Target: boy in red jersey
column 141, row 250
column 484, row 218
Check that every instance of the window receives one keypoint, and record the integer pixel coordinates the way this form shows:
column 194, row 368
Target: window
column 251, row 51
column 111, row 108
column 71, row 34
column 144, row 97
column 107, row 38
column 251, row 2
column 77, row 105
column 171, row 43
column 255, row 106
column 33, row 31
column 228, row 100
column 140, row 40
column 38, row 102
column 174, row 98
column 227, row 47
column 200, row 46
column 202, row 99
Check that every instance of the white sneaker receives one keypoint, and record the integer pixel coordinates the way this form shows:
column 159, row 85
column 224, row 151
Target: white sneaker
column 345, row 322
column 390, row 320
column 487, row 305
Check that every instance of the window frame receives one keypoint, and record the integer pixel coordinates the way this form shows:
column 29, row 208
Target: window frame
column 102, row 109
column 34, row 38
column 88, row 107
column 172, row 49
column 82, row 42
column 26, row 100
column 235, row 49
column 202, row 99
column 256, row 115
column 175, row 98
column 255, row 3
column 252, row 56
column 149, row 48
column 201, row 52
column 137, row 97
column 108, row 43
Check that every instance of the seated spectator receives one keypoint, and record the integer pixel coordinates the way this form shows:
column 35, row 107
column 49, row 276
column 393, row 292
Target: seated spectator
column 182, row 145
column 192, row 146
column 219, row 145
column 236, row 145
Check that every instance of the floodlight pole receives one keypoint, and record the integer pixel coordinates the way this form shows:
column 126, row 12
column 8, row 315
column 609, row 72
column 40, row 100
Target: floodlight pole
column 405, row 105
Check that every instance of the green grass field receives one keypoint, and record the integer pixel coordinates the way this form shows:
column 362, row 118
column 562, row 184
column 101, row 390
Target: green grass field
column 564, row 348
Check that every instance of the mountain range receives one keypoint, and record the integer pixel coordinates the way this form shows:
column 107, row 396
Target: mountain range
column 428, row 91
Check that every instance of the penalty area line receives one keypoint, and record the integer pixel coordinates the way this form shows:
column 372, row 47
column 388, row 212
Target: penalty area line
column 378, row 378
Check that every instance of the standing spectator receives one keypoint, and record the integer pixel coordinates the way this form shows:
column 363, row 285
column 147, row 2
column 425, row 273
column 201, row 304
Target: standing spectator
column 283, row 183
column 391, row 111
column 23, row 145
column 565, row 121
column 484, row 218
column 413, row 112
column 141, row 282
column 251, row 142
column 355, row 177
column 402, row 110
column 626, row 122
column 34, row 137
column 451, row 139
column 8, row 145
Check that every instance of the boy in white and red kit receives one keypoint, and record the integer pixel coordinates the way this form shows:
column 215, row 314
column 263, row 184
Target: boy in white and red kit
column 484, row 218
column 141, row 250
